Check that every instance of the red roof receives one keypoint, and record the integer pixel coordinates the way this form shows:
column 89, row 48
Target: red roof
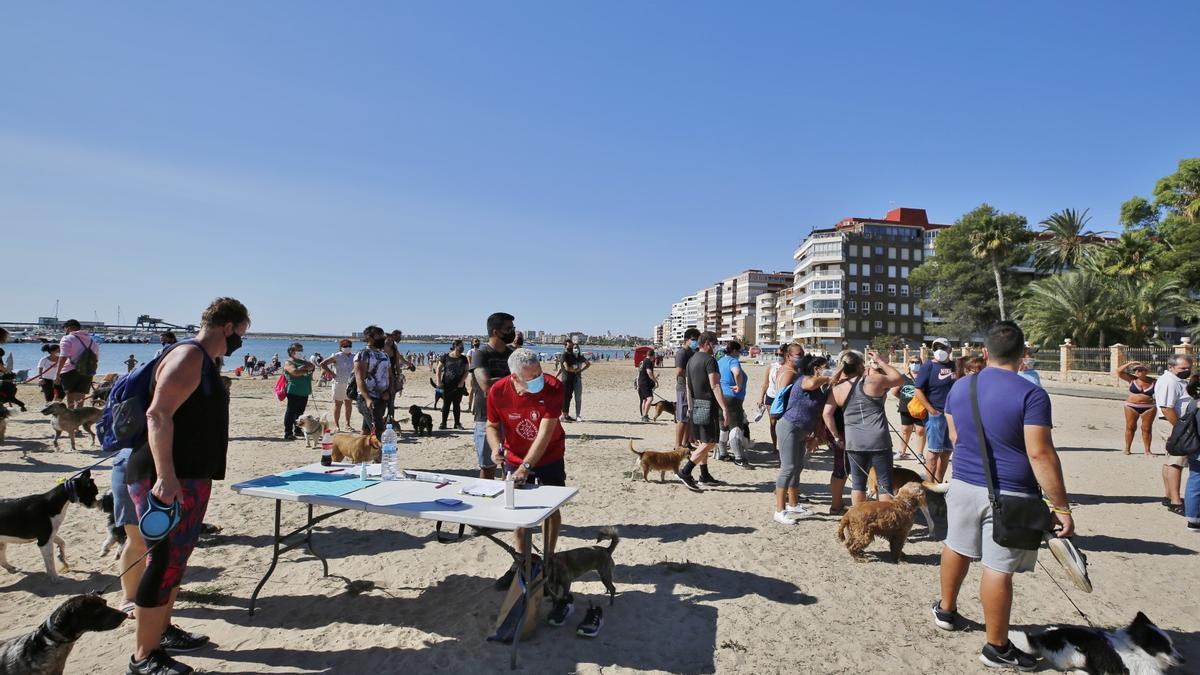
column 899, row 216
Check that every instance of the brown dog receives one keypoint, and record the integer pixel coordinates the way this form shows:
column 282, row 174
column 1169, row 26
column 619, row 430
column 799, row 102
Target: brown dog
column 662, row 462
column 71, row 420
column 886, row 520
column 661, row 407
column 357, row 449
column 902, row 477
column 570, row 565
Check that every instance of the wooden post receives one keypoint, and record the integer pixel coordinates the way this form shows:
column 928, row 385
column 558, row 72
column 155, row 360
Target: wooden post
column 1066, row 354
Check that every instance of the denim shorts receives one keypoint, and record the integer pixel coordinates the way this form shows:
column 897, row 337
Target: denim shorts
column 123, row 510
column 937, row 434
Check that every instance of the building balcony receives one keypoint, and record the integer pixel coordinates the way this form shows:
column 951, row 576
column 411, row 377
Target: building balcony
column 803, row 315
column 804, row 298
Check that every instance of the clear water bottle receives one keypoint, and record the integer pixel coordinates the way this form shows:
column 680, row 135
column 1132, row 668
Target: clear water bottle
column 388, row 439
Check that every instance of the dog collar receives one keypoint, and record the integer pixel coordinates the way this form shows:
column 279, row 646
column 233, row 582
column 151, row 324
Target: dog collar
column 52, row 636
column 72, row 493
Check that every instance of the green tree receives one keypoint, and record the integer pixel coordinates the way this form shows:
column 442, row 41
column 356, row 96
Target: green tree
column 1064, row 241
column 1134, row 255
column 1137, row 213
column 996, row 237
column 1076, row 305
column 1141, row 306
column 1178, row 195
column 954, row 286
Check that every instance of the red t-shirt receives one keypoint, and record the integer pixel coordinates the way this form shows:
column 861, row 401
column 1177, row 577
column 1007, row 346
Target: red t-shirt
column 521, row 415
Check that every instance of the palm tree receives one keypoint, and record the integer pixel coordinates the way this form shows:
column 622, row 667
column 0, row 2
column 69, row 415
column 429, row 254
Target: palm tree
column 996, row 239
column 1063, row 243
column 1143, row 305
column 1134, row 255
column 1077, row 305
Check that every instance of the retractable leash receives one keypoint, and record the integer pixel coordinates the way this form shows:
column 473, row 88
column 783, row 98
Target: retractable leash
column 1066, row 595
column 155, row 524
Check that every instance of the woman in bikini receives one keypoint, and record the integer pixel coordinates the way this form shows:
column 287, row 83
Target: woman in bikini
column 1139, row 403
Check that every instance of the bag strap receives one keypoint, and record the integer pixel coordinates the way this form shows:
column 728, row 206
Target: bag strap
column 985, row 452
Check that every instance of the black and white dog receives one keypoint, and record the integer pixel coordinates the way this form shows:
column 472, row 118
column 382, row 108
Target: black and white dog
column 45, row 650
column 116, row 533
column 36, row 518
column 1141, row 648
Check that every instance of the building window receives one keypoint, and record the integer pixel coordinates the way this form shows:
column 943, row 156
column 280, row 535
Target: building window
column 866, row 288
column 903, row 272
column 891, row 309
column 891, row 328
column 878, row 325
column 904, row 254
column 853, row 286
column 891, row 289
column 917, row 328
column 879, row 251
column 891, row 270
column 853, row 250
column 866, row 308
column 879, row 307
column 903, row 327
column 853, row 268
column 904, row 291
column 904, row 309
column 878, row 288
column 917, row 255
column 891, row 253
column 852, row 305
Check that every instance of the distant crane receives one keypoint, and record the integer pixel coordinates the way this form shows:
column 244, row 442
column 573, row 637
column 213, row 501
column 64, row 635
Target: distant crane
column 152, row 324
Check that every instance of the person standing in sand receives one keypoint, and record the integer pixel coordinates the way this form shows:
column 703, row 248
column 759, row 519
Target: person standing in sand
column 489, row 366
column 769, row 392
column 451, row 375
column 75, row 370
column 860, row 389
column 1139, row 404
column 341, row 375
column 373, row 379
column 188, row 431
column 298, row 372
column 130, row 363
column 397, row 362
column 647, row 380
column 734, row 383
column 572, row 365
column 933, row 385
column 706, row 404
column 691, row 343
column 1171, row 397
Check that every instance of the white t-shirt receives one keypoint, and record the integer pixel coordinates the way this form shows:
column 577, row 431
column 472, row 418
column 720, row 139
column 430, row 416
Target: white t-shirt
column 47, row 368
column 771, row 379
column 1171, row 392
column 343, row 368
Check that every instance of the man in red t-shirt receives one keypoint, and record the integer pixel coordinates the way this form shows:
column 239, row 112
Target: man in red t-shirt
column 523, row 430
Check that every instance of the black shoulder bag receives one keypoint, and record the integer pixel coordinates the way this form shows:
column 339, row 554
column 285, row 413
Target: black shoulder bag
column 1017, row 522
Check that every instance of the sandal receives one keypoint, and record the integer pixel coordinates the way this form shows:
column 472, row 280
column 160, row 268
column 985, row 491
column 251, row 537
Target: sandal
column 837, row 512
column 1175, row 508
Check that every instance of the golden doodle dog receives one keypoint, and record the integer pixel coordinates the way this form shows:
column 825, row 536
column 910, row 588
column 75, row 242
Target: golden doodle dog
column 355, row 448
column 887, row 520
column 70, row 420
column 662, row 462
column 902, row 477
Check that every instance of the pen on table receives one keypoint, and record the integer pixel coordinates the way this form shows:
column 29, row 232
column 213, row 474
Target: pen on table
column 439, row 486
column 333, row 471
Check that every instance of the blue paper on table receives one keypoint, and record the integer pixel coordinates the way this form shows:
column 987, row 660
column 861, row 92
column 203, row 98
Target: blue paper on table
column 309, row 483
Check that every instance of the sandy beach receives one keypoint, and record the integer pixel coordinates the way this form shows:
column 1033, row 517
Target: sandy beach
column 707, row 582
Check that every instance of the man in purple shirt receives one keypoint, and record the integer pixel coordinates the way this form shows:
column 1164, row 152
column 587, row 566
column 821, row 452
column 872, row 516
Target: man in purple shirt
column 1015, row 415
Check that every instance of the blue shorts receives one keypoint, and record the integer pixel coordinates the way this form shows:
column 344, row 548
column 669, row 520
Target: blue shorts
column 937, row 434
column 123, row 510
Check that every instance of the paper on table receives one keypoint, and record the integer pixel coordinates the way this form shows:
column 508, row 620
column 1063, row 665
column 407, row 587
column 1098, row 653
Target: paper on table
column 426, row 477
column 484, row 488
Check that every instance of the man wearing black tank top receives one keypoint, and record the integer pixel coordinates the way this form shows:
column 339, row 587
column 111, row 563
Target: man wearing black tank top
column 188, row 429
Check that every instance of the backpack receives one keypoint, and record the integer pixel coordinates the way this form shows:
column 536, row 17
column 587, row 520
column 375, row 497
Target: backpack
column 88, row 362
column 122, row 424
column 1185, row 437
column 281, row 387
column 452, row 371
column 779, row 404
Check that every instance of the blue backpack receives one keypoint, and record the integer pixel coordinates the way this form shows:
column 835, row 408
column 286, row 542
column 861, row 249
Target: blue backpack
column 123, row 422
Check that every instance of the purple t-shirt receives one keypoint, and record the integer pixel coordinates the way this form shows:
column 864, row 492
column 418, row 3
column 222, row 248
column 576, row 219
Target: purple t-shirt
column 1007, row 404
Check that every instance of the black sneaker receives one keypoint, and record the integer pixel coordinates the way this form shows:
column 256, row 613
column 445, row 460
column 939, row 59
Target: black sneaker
column 505, row 580
column 157, row 663
column 688, row 481
column 442, row 426
column 567, row 418
column 178, row 641
column 945, row 619
column 563, row 608
column 709, row 481
column 459, row 426
column 1009, row 657
column 743, row 463
column 289, row 437
column 590, row 626
column 1194, row 527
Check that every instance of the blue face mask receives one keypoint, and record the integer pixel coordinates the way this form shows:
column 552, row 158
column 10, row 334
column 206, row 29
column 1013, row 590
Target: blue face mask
column 536, row 384
column 694, row 344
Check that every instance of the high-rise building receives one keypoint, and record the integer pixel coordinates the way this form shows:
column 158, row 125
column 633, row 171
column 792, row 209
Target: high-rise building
column 850, row 282
column 774, row 318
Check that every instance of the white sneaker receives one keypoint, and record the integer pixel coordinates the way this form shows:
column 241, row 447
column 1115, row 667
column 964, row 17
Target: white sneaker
column 799, row 511
column 784, row 518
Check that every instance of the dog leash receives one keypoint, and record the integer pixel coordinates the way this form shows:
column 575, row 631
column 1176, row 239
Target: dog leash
column 89, row 468
column 105, row 588
column 1066, row 594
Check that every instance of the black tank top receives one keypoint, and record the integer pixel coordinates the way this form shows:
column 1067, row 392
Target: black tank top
column 201, row 432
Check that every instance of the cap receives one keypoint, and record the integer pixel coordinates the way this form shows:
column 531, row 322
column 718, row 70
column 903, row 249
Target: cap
column 941, row 341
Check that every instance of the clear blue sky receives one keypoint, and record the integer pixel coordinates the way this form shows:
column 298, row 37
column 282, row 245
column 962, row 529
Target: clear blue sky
column 580, row 164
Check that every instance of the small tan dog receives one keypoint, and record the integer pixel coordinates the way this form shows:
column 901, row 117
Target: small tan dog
column 312, row 428
column 663, row 407
column 902, row 477
column 70, row 420
column 886, row 520
column 662, row 462
column 357, row 449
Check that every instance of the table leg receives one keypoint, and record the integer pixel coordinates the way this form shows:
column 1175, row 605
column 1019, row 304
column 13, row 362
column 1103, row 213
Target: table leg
column 309, row 544
column 274, row 557
column 526, row 563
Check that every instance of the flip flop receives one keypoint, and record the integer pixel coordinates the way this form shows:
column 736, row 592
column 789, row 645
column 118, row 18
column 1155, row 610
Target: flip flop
column 1073, row 561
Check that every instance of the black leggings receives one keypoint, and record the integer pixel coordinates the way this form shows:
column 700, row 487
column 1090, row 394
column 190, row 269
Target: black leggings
column 51, row 391
column 295, row 408
column 568, row 386
column 452, row 397
column 374, row 416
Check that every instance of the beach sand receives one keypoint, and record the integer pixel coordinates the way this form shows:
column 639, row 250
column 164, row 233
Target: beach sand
column 707, row 582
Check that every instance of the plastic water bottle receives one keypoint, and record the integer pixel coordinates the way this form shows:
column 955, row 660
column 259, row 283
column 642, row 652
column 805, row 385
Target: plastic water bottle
column 388, row 439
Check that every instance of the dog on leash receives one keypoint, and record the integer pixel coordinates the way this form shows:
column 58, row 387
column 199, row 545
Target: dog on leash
column 45, row 650
column 8, row 391
column 71, row 420
column 37, row 518
column 887, row 520
column 663, row 407
column 570, row 565
column 1141, row 648
column 901, row 477
column 422, row 421
column 116, row 533
column 355, row 448
column 662, row 462
column 312, row 428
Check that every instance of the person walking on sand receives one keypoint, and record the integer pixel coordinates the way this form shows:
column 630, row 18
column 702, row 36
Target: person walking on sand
column 1014, row 415
column 805, row 405
column 489, row 366
column 341, row 374
column 298, row 372
column 47, row 366
column 706, row 405
column 1171, row 397
column 1139, row 404
column 451, row 375
column 860, row 389
column 187, row 425
column 373, row 379
column 691, row 343
column 932, row 386
column 79, row 357
column 647, row 380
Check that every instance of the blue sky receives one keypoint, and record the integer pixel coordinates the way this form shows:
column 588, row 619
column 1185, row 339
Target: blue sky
column 580, row 165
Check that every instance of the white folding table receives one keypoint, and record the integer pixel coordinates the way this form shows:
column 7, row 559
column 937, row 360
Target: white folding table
column 412, row 499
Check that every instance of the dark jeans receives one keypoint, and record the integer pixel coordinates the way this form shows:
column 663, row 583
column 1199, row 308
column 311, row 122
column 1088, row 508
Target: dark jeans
column 373, row 416
column 51, row 391
column 568, row 385
column 452, row 397
column 295, row 408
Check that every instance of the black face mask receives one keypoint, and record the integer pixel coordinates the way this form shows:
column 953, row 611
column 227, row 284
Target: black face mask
column 1183, row 374
column 509, row 337
column 233, row 342
column 377, row 343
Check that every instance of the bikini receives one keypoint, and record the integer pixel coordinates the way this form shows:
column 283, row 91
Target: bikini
column 1134, row 389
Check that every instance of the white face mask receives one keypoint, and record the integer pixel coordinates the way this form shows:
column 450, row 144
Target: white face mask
column 941, row 355
column 914, row 367
column 345, row 350
column 299, row 356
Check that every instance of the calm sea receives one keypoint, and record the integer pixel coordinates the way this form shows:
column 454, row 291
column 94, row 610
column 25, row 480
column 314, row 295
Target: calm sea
column 113, row 356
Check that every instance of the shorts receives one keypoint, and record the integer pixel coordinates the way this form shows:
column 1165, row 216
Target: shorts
column 906, row 420
column 937, row 434
column 168, row 558
column 681, row 406
column 339, row 391
column 645, row 392
column 969, row 530
column 1164, row 432
column 861, row 463
column 711, row 432
column 554, row 473
column 74, row 383
column 124, row 512
column 482, row 454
